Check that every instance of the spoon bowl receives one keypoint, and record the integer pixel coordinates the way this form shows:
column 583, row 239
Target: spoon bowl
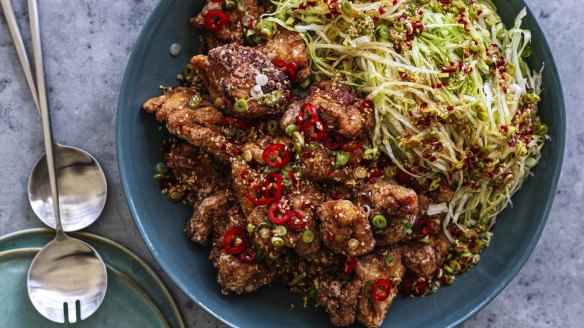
column 82, row 188
column 81, row 178
column 67, row 280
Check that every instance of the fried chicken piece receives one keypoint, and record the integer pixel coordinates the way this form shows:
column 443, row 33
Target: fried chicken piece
column 193, row 169
column 423, row 259
column 233, row 30
column 288, row 46
column 339, row 108
column 230, row 72
column 198, row 126
column 383, row 263
column 398, row 204
column 339, row 299
column 345, row 228
column 199, row 227
column 233, row 275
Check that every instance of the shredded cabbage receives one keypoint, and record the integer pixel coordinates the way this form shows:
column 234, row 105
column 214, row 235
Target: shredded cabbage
column 455, row 102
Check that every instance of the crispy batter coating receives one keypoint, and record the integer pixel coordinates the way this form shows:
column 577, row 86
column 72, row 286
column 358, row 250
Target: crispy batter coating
column 339, row 108
column 423, row 259
column 345, row 228
column 383, row 263
column 199, row 227
column 288, row 46
column 396, row 203
column 230, row 72
column 339, row 299
column 233, row 31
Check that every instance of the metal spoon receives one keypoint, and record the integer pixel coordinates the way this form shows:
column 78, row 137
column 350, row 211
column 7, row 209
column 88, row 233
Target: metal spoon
column 67, row 276
column 81, row 179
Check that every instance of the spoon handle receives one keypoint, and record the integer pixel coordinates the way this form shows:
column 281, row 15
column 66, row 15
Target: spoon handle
column 20, row 48
column 44, row 108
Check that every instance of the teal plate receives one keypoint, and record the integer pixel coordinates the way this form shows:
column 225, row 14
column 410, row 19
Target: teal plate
column 162, row 222
column 135, row 296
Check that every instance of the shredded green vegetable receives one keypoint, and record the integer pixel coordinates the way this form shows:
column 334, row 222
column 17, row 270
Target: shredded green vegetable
column 455, row 102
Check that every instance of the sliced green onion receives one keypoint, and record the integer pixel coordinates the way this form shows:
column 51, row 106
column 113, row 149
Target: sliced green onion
column 304, row 84
column 353, row 243
column 272, row 127
column 277, row 241
column 542, row 129
column 379, row 221
column 360, row 172
column 279, row 231
column 407, row 226
column 290, row 129
column 229, row 4
column 425, row 239
column 341, row 159
column 250, row 228
column 383, row 32
column 240, row 106
column 307, row 236
column 371, row 154
column 161, row 167
column 389, row 260
column 531, row 98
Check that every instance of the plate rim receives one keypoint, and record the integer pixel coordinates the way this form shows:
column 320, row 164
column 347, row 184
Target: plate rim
column 513, row 271
column 116, row 246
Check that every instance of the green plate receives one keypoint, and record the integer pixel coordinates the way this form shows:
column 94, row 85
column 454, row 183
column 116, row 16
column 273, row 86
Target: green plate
column 135, row 296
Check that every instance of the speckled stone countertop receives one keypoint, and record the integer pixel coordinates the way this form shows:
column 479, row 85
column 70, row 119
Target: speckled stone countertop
column 86, row 45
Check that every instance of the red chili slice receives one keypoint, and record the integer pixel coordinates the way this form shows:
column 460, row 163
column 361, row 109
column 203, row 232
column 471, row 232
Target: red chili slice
column 273, row 187
column 292, row 65
column 293, row 178
column 274, row 218
column 280, row 64
column 235, row 241
column 252, row 193
column 282, row 155
column 248, row 256
column 349, row 265
column 352, row 145
column 331, row 141
column 291, row 73
column 215, row 20
column 307, row 117
column 318, row 132
column 380, row 289
column 367, row 103
column 296, row 221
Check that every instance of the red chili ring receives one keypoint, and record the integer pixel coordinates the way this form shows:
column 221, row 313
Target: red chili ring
column 230, row 241
column 331, row 142
column 319, row 131
column 279, row 219
column 215, row 20
column 280, row 64
column 256, row 201
column 291, row 73
column 248, row 256
column 307, row 117
column 276, row 185
column 292, row 65
column 296, row 221
column 281, row 161
column 349, row 265
column 351, row 145
column 380, row 289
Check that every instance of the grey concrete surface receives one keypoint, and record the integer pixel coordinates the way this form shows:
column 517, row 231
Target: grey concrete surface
column 87, row 44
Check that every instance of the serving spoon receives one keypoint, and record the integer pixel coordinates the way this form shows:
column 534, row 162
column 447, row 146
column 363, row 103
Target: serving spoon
column 67, row 276
column 82, row 183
